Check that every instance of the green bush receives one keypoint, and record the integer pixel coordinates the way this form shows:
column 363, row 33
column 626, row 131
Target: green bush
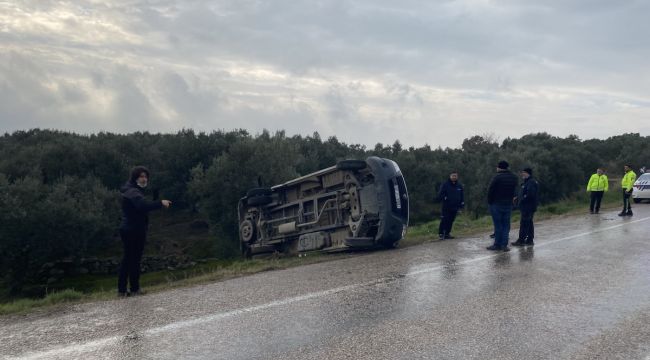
column 43, row 223
column 59, row 189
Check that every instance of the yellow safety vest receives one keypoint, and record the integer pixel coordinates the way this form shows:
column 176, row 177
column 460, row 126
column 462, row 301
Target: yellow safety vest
column 598, row 183
column 628, row 180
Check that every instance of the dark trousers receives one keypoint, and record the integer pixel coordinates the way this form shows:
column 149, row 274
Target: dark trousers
column 501, row 219
column 447, row 221
column 133, row 242
column 526, row 227
column 626, row 201
column 596, row 198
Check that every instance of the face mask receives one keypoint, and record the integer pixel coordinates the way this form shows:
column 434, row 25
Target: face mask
column 142, row 184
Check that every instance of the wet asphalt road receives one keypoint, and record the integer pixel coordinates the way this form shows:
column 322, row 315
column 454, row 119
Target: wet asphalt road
column 583, row 292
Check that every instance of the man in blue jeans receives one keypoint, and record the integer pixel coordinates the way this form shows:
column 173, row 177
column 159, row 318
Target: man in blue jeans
column 501, row 194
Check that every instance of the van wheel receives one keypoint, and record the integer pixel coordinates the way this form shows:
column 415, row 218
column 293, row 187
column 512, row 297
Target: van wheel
column 636, row 201
column 351, row 165
column 259, row 192
column 259, row 200
column 247, row 231
column 259, row 196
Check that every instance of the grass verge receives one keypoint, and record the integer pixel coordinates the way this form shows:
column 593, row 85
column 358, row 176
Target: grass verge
column 59, row 297
column 96, row 288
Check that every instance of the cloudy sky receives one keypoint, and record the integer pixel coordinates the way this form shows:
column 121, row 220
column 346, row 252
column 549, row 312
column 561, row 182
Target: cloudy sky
column 366, row 71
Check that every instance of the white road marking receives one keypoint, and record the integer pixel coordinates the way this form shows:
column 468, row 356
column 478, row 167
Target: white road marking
column 70, row 350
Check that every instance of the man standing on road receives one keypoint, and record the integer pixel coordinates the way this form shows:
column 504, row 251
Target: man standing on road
column 528, row 201
column 627, row 183
column 501, row 195
column 452, row 198
column 598, row 184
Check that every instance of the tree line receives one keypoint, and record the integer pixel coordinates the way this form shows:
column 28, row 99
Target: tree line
column 59, row 190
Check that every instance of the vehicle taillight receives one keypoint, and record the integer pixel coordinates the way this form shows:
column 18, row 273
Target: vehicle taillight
column 399, row 197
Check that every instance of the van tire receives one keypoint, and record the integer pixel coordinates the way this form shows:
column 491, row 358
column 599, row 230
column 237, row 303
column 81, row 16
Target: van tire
column 247, row 231
column 258, row 192
column 351, row 165
column 636, row 201
column 259, row 200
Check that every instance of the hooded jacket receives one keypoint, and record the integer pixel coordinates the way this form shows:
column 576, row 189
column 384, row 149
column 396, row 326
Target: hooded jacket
column 135, row 208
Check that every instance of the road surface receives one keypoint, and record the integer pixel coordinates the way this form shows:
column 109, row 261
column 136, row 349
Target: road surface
column 583, row 292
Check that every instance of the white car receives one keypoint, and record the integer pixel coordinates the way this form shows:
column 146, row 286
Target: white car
column 641, row 190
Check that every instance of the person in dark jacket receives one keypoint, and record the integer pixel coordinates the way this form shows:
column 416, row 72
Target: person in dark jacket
column 452, row 196
column 527, row 200
column 133, row 229
column 501, row 196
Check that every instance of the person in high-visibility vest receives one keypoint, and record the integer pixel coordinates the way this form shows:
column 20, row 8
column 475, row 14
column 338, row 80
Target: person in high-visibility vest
column 627, row 183
column 598, row 184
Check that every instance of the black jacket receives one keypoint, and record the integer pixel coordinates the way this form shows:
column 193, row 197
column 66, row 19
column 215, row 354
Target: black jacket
column 135, row 208
column 452, row 195
column 503, row 188
column 527, row 198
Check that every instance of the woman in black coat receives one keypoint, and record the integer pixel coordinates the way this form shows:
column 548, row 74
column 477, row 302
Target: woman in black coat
column 133, row 230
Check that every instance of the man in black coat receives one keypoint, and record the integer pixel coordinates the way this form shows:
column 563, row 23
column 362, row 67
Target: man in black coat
column 452, row 196
column 501, row 196
column 528, row 200
column 133, row 230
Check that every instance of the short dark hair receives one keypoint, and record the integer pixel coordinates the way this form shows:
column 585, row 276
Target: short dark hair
column 503, row 165
column 453, row 172
column 137, row 171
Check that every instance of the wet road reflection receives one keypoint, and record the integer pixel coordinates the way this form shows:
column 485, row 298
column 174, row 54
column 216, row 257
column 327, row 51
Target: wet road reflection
column 442, row 300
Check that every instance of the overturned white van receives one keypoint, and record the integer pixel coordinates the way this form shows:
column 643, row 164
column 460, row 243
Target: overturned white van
column 355, row 204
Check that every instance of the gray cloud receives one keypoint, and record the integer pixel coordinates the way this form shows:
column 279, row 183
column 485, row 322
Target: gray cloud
column 366, row 71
